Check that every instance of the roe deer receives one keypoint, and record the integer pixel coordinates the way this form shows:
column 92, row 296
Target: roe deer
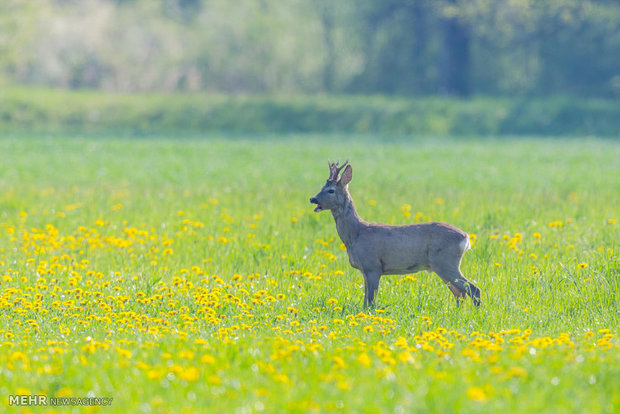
column 380, row 249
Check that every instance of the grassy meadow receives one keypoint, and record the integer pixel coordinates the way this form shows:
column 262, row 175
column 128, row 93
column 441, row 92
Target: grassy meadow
column 190, row 274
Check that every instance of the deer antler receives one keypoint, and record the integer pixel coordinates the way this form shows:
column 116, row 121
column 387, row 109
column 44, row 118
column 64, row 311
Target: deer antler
column 334, row 169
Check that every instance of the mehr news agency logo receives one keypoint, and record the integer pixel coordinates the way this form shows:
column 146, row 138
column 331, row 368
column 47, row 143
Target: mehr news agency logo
column 44, row 400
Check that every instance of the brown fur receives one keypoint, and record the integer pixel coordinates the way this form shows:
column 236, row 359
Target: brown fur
column 380, row 249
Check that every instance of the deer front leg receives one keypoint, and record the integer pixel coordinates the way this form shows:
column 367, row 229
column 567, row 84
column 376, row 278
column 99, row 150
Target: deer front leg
column 371, row 285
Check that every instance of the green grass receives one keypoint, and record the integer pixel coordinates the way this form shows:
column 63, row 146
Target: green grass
column 191, row 274
column 48, row 110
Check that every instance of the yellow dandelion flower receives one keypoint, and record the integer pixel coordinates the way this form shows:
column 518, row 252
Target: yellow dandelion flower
column 477, row 394
column 185, row 354
column 332, row 301
column 261, row 392
column 207, row 359
column 339, row 362
column 18, row 356
column 364, row 359
column 189, row 374
column 343, row 385
column 405, row 357
column 495, row 369
column 123, row 352
column 516, row 372
column 582, row 266
column 283, row 378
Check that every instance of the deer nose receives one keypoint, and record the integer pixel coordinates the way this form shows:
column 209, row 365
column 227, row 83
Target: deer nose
column 313, row 200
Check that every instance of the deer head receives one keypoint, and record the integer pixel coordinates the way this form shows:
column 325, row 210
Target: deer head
column 333, row 195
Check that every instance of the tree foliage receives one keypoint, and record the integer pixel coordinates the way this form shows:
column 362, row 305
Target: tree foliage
column 405, row 47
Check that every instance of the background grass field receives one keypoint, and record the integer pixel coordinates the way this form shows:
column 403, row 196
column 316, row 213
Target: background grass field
column 191, row 274
column 45, row 110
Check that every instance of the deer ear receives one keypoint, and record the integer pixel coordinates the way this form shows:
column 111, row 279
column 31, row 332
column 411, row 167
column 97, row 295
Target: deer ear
column 346, row 176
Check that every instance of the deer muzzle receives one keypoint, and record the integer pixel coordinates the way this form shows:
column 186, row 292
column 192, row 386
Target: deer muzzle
column 318, row 208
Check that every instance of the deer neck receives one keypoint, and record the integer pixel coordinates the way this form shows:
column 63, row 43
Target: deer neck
column 348, row 222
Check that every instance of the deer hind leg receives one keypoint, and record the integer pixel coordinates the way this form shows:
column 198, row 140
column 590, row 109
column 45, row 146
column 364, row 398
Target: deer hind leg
column 459, row 294
column 457, row 283
column 474, row 292
column 446, row 262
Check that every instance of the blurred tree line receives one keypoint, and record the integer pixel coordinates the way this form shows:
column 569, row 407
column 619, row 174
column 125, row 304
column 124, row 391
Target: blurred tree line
column 404, row 47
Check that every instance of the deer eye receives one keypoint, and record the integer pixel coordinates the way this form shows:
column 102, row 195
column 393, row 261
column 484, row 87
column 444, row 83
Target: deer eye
column 331, row 191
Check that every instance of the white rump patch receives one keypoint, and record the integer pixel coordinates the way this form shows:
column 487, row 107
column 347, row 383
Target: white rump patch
column 465, row 244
